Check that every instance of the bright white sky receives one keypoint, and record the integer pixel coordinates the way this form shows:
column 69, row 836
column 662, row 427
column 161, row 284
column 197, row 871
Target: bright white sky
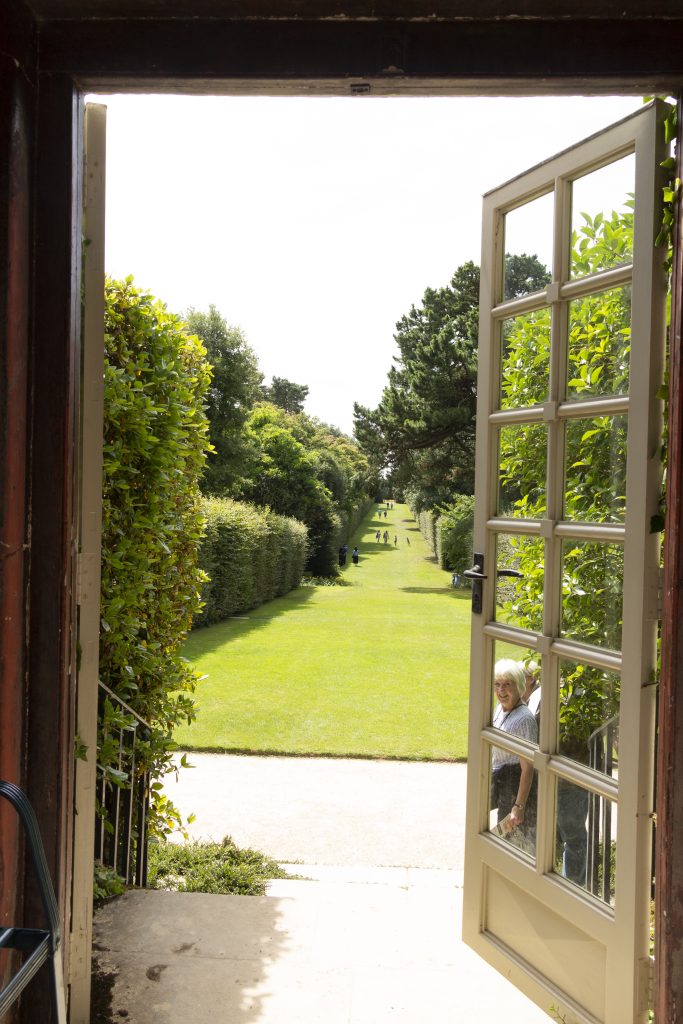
column 314, row 224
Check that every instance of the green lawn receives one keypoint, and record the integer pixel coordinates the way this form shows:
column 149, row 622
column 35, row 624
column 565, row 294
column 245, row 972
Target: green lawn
column 377, row 667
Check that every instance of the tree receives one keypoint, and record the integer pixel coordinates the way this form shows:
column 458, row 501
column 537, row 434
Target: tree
column 285, row 393
column 424, row 426
column 235, row 387
column 310, row 471
column 285, row 477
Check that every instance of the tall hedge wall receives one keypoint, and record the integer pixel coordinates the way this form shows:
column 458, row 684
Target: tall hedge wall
column 155, row 441
column 428, row 520
column 448, row 531
column 350, row 521
column 250, row 555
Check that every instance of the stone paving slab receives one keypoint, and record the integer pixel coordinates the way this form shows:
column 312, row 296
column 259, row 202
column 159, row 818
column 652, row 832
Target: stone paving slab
column 337, row 811
column 329, row 952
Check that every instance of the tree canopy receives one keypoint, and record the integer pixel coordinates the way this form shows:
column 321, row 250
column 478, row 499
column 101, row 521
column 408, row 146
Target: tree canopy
column 235, row 387
column 304, row 469
column 285, row 393
column 424, row 426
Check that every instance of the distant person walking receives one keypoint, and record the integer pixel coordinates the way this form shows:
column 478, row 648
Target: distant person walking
column 377, row 536
column 386, row 536
column 342, row 556
column 395, row 541
column 385, row 513
column 354, row 556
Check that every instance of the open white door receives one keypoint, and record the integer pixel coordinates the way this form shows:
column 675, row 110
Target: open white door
column 89, row 555
column 568, row 478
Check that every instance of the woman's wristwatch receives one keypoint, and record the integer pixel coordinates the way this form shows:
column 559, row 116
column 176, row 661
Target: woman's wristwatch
column 521, row 806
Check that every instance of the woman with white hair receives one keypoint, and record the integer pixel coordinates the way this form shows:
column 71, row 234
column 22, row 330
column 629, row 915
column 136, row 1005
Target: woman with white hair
column 512, row 778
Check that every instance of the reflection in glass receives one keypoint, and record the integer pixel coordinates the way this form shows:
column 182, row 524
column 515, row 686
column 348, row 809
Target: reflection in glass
column 522, row 451
column 592, row 592
column 513, row 781
column 510, row 712
column 599, row 344
column 519, row 598
column 525, row 359
column 530, row 663
column 595, row 469
column 585, row 846
column 602, row 218
column 589, row 716
column 528, row 230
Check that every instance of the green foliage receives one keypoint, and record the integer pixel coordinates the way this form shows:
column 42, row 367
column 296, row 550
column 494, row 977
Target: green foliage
column 428, row 522
column 424, row 426
column 155, row 440
column 595, row 459
column 306, row 470
column 286, row 394
column 249, row 555
column 211, row 867
column 235, row 387
column 106, row 883
column 455, row 528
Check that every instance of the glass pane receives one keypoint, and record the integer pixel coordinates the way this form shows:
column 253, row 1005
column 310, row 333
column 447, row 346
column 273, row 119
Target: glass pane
column 586, row 845
column 529, row 662
column 513, row 781
column 528, row 247
column 599, row 344
column 589, row 716
column 525, row 359
column 516, row 680
column 519, row 597
column 595, row 469
column 602, row 218
column 592, row 592
column 522, row 464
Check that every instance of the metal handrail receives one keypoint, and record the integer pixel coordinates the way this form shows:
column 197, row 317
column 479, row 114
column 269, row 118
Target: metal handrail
column 40, row 943
column 122, row 822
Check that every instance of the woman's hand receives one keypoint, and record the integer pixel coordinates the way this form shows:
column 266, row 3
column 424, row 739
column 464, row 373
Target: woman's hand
column 517, row 814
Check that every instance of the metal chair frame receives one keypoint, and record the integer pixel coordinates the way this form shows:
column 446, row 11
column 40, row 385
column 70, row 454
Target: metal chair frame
column 40, row 943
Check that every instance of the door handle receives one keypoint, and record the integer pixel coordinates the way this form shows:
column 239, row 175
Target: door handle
column 477, row 575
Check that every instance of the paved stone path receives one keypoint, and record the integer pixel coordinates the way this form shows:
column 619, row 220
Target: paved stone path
column 328, row 810
column 373, row 937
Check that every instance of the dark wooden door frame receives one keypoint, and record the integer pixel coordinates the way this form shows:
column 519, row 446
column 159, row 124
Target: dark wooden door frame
column 68, row 67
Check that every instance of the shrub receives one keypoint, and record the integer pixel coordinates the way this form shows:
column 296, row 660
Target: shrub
column 155, row 443
column 351, row 520
column 427, row 520
column 249, row 555
column 211, row 867
column 454, row 534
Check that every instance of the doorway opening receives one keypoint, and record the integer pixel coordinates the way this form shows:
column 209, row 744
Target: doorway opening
column 378, row 257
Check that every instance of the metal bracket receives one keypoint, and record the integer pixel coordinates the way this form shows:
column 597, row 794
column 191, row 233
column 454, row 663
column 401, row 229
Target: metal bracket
column 646, row 984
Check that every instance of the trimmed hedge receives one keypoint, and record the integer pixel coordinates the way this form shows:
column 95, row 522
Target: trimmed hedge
column 455, row 529
column 155, row 440
column 427, row 521
column 351, row 520
column 448, row 532
column 250, row 555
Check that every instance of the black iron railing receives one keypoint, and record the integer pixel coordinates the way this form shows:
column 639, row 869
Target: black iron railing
column 122, row 790
column 602, row 746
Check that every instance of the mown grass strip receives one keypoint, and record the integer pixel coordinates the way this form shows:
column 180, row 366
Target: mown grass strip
column 378, row 667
